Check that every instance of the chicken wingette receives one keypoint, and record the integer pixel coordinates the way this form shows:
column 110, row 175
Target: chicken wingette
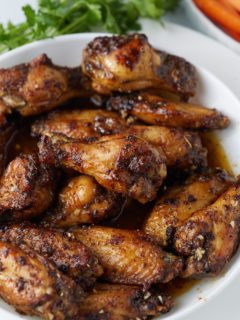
column 39, row 86
column 123, row 302
column 33, row 286
column 68, row 255
column 183, row 149
column 179, row 202
column 27, row 189
column 83, row 200
column 155, row 110
column 128, row 256
column 210, row 236
column 128, row 62
column 120, row 163
column 84, row 125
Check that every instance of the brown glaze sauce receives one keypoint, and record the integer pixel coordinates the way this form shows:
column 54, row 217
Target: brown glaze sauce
column 134, row 213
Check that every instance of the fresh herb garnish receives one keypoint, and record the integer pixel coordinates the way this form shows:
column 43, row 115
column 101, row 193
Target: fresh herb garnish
column 57, row 17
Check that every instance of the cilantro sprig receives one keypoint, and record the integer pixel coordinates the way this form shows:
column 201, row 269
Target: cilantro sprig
column 58, row 17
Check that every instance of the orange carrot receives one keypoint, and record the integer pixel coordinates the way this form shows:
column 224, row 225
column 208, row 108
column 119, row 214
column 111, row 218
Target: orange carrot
column 234, row 35
column 228, row 19
column 235, row 4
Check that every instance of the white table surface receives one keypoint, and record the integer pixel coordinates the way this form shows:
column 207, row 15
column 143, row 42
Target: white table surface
column 225, row 306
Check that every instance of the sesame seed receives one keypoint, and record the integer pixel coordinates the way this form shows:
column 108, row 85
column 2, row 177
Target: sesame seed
column 147, row 295
column 232, row 224
column 199, row 253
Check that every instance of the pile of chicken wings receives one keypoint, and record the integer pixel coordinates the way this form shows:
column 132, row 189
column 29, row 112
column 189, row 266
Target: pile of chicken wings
column 139, row 141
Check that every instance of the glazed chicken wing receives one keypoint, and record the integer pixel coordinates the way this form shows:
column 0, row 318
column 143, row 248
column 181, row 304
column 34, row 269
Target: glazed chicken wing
column 84, row 125
column 83, row 200
column 128, row 62
column 183, row 149
column 122, row 302
column 210, row 237
column 39, row 86
column 33, row 286
column 177, row 205
column 159, row 111
column 26, row 189
column 128, row 257
column 121, row 163
column 68, row 255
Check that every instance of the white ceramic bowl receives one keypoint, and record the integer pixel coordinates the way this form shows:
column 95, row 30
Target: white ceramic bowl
column 66, row 50
column 205, row 25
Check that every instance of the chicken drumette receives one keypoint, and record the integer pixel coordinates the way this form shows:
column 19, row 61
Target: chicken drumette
column 39, row 86
column 26, row 189
column 83, row 200
column 128, row 63
column 121, row 163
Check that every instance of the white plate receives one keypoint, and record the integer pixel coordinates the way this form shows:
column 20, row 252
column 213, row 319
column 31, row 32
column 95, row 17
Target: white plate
column 66, row 50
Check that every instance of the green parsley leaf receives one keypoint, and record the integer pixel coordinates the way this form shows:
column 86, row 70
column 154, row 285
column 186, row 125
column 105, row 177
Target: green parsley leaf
column 57, row 17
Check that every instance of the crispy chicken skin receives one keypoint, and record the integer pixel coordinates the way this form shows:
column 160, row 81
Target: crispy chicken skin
column 26, row 189
column 122, row 302
column 155, row 110
column 128, row 62
column 83, row 200
column 39, row 86
column 128, row 256
column 68, row 255
column 210, row 237
column 183, row 149
column 33, row 286
column 179, row 202
column 80, row 124
column 121, row 163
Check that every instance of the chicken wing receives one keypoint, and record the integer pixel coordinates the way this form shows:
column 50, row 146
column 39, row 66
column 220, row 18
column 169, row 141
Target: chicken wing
column 39, row 86
column 159, row 111
column 128, row 62
column 128, row 257
column 122, row 302
column 183, row 149
column 177, row 205
column 69, row 256
column 31, row 284
column 84, row 125
column 83, row 200
column 26, row 189
column 210, row 237
column 121, row 163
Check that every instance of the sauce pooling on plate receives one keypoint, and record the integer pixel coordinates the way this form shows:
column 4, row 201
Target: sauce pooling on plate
column 134, row 213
